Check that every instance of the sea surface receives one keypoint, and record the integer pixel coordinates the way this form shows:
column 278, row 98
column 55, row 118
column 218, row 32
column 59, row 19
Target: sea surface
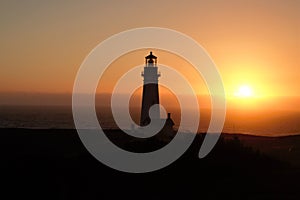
column 264, row 123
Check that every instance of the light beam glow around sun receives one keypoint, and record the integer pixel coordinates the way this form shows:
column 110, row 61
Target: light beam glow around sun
column 244, row 91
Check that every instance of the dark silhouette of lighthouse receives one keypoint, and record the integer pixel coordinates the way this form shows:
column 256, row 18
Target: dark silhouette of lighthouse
column 151, row 97
column 150, row 90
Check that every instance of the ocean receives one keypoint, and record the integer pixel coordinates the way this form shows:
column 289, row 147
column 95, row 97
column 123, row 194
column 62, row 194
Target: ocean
column 264, row 123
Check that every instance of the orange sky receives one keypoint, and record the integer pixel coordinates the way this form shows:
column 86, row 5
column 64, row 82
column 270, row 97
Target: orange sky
column 252, row 42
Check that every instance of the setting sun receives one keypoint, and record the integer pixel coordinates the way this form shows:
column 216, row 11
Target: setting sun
column 244, row 91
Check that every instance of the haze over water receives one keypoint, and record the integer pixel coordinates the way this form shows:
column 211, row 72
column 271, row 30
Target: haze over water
column 60, row 117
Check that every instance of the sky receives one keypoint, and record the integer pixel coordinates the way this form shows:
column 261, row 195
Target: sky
column 253, row 43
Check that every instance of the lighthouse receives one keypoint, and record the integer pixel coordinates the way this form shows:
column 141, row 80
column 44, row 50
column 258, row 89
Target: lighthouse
column 150, row 90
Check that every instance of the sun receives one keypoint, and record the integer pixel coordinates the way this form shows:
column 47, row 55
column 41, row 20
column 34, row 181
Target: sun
column 244, row 91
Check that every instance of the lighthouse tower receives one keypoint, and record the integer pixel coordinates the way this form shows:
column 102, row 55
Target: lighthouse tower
column 150, row 89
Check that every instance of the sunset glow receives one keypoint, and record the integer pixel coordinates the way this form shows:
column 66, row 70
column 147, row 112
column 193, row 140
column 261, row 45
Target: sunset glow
column 254, row 45
column 244, row 91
